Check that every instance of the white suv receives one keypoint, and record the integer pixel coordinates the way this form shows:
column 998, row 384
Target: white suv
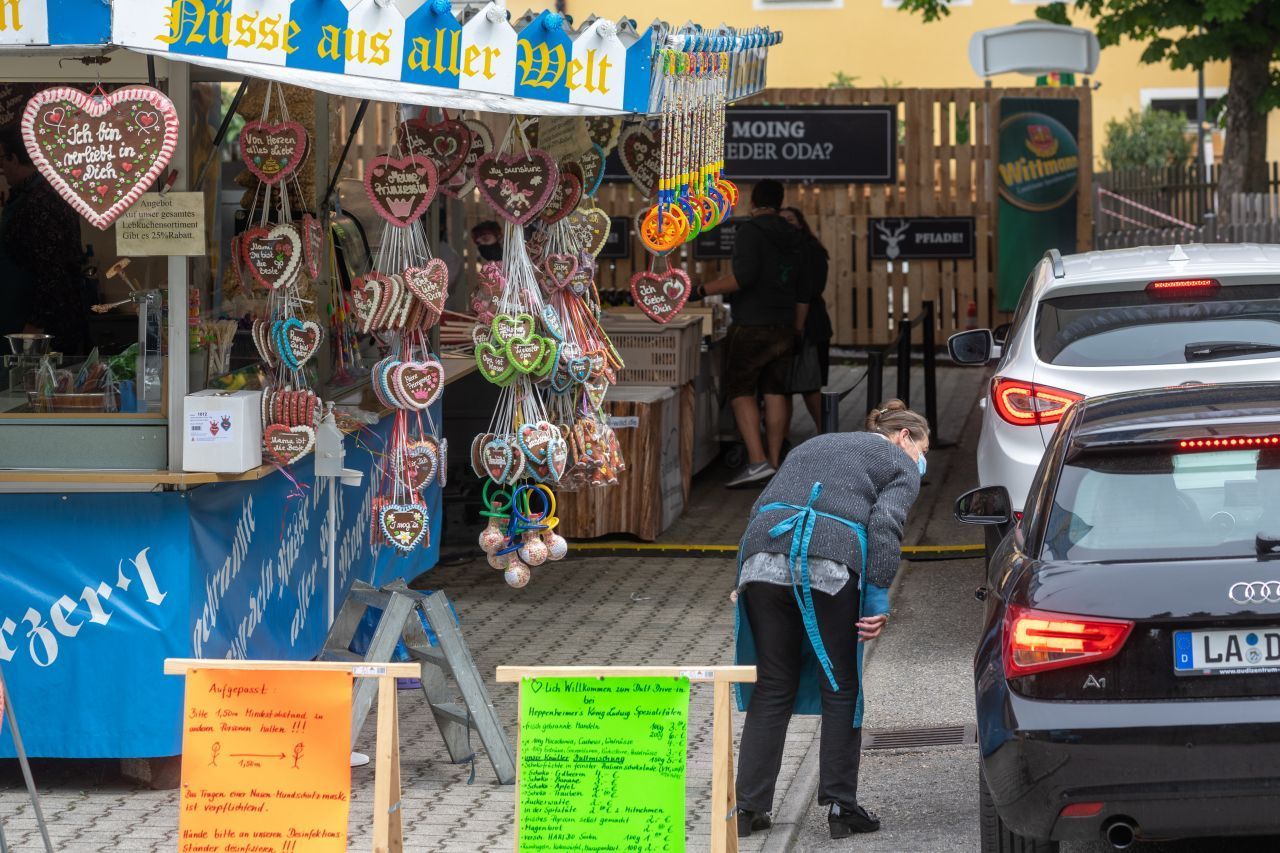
column 1119, row 320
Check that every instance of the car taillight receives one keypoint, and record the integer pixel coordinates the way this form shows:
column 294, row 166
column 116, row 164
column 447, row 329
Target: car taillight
column 1038, row 641
column 1029, row 404
column 1183, row 287
column 1237, row 443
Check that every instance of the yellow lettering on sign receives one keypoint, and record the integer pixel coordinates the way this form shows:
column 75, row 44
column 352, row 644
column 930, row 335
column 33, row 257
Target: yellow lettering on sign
column 443, row 59
column 354, row 45
column 594, row 73
column 540, row 66
column 189, row 22
column 246, row 29
column 471, row 54
column 9, row 17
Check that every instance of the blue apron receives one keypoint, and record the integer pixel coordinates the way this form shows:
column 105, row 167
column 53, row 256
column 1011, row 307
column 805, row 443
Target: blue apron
column 815, row 662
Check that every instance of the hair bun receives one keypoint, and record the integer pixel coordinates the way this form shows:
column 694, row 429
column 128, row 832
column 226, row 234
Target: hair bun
column 889, row 409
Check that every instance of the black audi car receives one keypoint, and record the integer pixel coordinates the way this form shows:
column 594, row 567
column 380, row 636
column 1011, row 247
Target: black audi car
column 1128, row 673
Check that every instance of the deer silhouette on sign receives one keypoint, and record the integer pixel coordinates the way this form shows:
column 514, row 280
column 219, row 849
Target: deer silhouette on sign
column 893, row 238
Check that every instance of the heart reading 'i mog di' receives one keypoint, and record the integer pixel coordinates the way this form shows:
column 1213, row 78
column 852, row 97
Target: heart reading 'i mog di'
column 405, row 525
column 517, row 186
column 660, row 295
column 100, row 153
column 273, row 255
column 272, row 152
column 447, row 143
column 400, row 188
column 638, row 150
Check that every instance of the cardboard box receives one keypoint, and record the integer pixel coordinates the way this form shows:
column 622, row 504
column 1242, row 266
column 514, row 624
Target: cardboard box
column 222, row 431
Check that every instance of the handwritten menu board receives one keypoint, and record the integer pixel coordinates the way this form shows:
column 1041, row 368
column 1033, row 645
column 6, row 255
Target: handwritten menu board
column 266, row 762
column 602, row 764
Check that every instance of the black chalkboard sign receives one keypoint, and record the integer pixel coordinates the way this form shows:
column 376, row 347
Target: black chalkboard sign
column 921, row 237
column 853, row 145
column 717, row 244
column 618, row 245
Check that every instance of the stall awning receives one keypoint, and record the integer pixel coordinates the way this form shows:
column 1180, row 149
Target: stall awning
column 54, row 23
column 376, row 49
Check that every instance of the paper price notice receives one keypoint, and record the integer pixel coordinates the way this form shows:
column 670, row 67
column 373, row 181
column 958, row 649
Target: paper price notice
column 602, row 764
column 265, row 762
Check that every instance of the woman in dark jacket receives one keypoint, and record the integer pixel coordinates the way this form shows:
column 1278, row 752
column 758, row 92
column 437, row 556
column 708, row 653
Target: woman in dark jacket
column 815, row 564
column 817, row 325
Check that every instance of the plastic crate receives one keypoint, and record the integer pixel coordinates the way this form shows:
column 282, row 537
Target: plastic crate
column 653, row 354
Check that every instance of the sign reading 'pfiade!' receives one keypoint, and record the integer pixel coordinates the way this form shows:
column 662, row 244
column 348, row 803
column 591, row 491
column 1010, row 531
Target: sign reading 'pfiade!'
column 377, row 42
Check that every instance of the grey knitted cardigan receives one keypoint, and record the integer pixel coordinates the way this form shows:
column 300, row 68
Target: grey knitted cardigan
column 864, row 479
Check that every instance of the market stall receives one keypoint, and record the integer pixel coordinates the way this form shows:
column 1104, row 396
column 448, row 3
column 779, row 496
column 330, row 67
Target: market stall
column 239, row 487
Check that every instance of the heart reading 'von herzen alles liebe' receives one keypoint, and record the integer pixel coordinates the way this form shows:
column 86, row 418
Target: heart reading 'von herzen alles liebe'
column 272, row 255
column 638, row 150
column 272, row 152
column 517, row 186
column 446, row 142
column 100, row 153
column 400, row 188
column 286, row 444
column 660, row 295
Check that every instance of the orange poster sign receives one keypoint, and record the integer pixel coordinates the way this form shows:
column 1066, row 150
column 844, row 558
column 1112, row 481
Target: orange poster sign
column 266, row 762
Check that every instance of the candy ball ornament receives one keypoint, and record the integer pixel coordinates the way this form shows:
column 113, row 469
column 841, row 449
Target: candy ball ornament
column 492, row 538
column 534, row 551
column 557, row 547
column 517, row 574
column 500, row 561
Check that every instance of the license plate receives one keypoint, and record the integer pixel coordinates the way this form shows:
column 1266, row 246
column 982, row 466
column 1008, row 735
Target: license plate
column 1235, row 652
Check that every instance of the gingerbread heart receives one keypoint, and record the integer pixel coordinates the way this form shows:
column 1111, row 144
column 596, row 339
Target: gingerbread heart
column 288, row 444
column 481, row 144
column 404, row 525
column 477, row 459
column 638, row 150
column 564, row 200
column 417, row 384
column 535, row 439
column 100, row 152
column 446, row 143
column 557, row 457
column 261, row 333
column 559, row 270
column 494, row 364
column 517, row 186
column 551, row 322
column 366, row 298
column 302, row 340
column 312, row 244
column 589, row 229
column 499, row 461
column 592, row 163
column 422, row 459
column 660, row 295
column 429, row 283
column 273, row 256
column 400, row 188
column 527, row 353
column 508, row 327
column 272, row 152
column 603, row 130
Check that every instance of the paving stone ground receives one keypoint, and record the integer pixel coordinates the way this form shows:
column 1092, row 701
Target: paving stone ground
column 616, row 610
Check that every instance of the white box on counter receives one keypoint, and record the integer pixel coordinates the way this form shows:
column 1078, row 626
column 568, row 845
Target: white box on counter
column 222, row 431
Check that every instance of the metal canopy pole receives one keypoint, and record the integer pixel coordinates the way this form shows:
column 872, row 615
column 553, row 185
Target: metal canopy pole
column 179, row 268
column 6, row 703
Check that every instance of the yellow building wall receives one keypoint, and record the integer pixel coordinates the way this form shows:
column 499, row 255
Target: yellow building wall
column 874, row 43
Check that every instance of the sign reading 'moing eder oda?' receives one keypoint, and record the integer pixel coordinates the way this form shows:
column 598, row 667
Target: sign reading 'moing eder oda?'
column 833, row 144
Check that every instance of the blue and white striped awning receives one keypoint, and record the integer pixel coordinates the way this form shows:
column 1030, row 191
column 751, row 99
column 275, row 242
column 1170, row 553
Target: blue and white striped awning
column 54, row 23
column 386, row 50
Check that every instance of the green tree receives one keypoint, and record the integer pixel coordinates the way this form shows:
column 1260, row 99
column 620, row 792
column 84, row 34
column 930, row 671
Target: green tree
column 1151, row 138
column 1187, row 34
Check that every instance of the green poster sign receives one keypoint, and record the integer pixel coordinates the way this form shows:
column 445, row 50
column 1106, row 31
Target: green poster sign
column 1037, row 177
column 602, row 764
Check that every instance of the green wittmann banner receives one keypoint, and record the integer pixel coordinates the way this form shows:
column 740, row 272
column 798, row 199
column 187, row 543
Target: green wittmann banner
column 1037, row 176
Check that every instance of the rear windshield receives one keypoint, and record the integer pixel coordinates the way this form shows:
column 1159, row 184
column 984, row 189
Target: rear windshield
column 1119, row 329
column 1154, row 505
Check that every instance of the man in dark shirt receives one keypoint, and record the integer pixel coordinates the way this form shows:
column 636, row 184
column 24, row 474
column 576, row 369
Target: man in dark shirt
column 41, row 287
column 768, row 303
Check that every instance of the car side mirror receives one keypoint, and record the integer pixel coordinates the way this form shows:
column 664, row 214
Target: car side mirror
column 1001, row 333
column 972, row 347
column 988, row 505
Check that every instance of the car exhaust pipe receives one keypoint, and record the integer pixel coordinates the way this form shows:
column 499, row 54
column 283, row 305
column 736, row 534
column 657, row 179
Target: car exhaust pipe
column 1120, row 834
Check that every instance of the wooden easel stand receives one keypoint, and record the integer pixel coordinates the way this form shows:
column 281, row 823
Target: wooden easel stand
column 724, row 836
column 388, row 826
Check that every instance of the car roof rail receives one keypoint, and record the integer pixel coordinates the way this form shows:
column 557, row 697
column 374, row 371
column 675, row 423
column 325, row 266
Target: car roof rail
column 1055, row 258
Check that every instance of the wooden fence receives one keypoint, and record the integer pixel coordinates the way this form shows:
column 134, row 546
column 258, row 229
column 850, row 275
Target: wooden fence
column 1185, row 192
column 1255, row 218
column 946, row 167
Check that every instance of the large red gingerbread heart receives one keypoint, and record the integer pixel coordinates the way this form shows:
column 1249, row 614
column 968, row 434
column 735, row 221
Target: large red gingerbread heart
column 447, row 143
column 100, row 153
column 660, row 295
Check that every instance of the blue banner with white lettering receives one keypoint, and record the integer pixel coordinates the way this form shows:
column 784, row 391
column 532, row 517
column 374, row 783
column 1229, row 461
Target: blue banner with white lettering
column 96, row 590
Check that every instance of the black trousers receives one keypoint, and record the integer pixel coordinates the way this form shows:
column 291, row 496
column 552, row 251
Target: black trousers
column 780, row 638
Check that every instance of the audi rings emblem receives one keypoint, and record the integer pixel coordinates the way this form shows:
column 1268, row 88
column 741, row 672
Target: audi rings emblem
column 1255, row 592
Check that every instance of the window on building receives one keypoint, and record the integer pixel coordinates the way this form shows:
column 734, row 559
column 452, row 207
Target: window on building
column 1183, row 102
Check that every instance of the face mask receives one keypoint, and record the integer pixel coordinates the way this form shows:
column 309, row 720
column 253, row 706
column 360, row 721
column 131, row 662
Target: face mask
column 491, row 252
column 920, row 464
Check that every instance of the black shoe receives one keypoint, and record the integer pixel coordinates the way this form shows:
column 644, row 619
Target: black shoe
column 845, row 821
column 749, row 822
